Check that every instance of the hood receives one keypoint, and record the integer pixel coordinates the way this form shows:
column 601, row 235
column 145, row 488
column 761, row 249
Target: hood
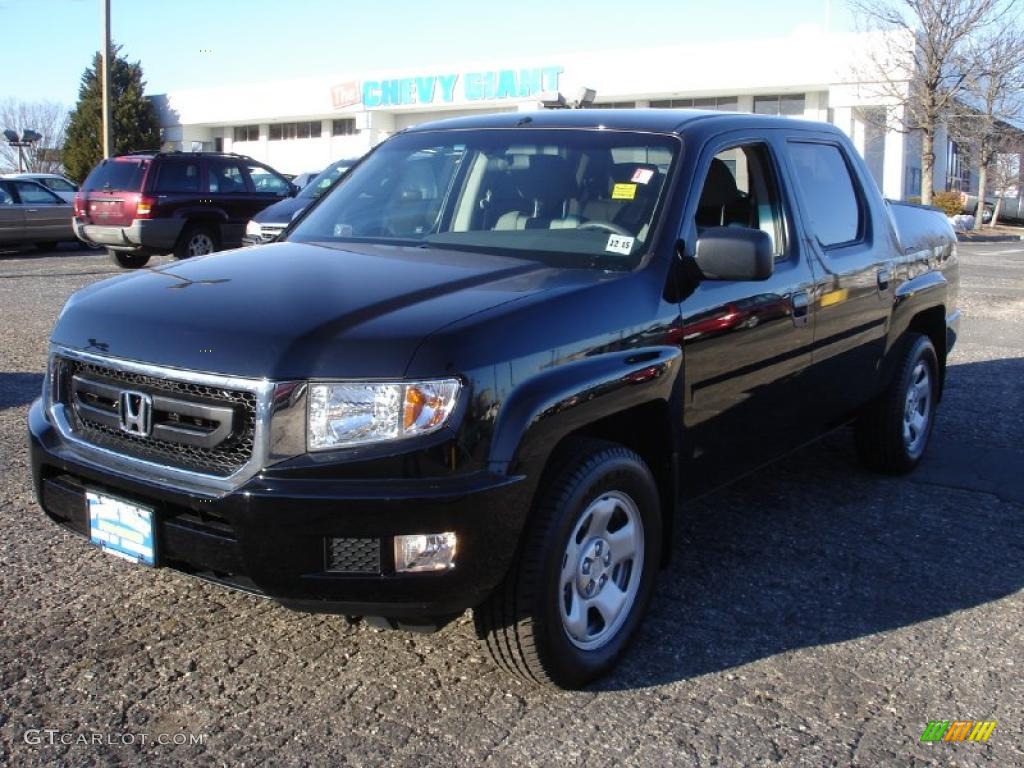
column 295, row 310
column 282, row 211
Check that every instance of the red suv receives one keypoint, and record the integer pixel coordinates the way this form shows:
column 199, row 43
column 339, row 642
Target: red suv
column 187, row 203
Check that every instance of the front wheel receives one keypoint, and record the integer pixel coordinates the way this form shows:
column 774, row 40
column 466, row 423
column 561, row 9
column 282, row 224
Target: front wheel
column 583, row 577
column 195, row 240
column 892, row 432
column 127, row 260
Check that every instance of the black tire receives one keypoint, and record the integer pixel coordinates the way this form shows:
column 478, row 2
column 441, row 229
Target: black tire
column 127, row 260
column 196, row 240
column 886, row 440
column 521, row 623
column 47, row 246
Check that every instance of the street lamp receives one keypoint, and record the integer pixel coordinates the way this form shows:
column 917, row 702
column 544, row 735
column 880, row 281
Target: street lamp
column 28, row 138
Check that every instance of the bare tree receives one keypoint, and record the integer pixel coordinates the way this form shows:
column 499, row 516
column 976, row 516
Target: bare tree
column 47, row 118
column 992, row 100
column 1005, row 174
column 921, row 64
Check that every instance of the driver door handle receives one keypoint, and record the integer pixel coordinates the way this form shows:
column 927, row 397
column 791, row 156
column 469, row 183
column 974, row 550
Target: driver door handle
column 799, row 303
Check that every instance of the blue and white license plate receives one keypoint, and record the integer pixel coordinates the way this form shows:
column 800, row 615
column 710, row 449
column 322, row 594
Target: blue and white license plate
column 121, row 528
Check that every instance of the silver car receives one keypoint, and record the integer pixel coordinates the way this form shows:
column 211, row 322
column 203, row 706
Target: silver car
column 30, row 213
column 62, row 186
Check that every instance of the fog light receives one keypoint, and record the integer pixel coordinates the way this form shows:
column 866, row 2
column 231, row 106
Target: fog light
column 425, row 552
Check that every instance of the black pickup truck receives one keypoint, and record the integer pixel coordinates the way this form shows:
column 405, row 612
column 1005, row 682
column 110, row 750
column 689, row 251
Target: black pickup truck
column 488, row 369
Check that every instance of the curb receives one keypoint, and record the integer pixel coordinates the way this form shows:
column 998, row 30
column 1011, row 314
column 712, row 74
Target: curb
column 964, row 238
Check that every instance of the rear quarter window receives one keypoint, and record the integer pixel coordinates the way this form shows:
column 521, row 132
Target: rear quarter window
column 830, row 198
column 117, row 176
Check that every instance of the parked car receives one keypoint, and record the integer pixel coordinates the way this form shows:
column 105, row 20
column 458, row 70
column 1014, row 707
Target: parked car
column 480, row 373
column 186, row 203
column 303, row 179
column 31, row 213
column 62, row 186
column 272, row 220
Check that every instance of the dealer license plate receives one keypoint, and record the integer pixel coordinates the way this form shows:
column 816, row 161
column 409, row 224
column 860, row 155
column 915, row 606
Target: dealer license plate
column 121, row 528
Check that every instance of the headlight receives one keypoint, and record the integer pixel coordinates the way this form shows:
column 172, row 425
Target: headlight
column 253, row 229
column 356, row 413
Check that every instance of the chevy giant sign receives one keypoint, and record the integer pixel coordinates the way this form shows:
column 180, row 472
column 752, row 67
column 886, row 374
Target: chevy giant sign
column 447, row 89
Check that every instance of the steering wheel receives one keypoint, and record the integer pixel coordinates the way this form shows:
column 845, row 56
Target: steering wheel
column 607, row 226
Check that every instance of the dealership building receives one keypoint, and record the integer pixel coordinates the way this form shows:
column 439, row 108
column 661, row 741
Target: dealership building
column 302, row 125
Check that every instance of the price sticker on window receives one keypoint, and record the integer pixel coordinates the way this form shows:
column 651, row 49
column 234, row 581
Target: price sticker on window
column 619, row 244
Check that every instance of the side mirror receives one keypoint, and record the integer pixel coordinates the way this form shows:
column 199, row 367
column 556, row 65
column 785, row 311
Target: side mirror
column 734, row 253
column 293, row 189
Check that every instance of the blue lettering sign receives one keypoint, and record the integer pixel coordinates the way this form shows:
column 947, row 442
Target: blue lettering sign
column 477, row 86
column 371, row 93
column 549, row 75
column 425, row 89
column 474, row 86
column 448, row 87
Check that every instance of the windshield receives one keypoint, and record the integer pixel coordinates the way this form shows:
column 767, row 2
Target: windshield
column 587, row 196
column 325, row 180
column 116, row 175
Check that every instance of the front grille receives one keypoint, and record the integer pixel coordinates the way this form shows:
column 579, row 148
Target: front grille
column 190, row 434
column 270, row 232
column 353, row 555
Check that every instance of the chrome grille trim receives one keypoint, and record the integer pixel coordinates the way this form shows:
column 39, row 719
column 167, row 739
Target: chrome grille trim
column 153, row 471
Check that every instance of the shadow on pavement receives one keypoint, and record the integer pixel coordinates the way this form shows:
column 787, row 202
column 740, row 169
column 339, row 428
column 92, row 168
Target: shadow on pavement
column 815, row 550
column 19, row 388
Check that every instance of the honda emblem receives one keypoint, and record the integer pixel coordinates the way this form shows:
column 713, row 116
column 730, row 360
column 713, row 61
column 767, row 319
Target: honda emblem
column 136, row 412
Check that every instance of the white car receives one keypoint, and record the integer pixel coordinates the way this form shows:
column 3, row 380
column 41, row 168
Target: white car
column 61, row 186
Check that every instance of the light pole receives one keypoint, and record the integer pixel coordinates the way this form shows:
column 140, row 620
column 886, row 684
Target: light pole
column 105, row 75
column 28, row 138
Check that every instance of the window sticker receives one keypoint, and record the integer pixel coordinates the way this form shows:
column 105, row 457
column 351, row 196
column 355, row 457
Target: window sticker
column 340, row 230
column 619, row 244
column 624, row 192
column 642, row 176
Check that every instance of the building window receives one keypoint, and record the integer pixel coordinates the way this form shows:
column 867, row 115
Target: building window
column 672, row 104
column 247, row 133
column 307, row 129
column 791, row 105
column 344, row 127
column 721, row 103
column 614, row 105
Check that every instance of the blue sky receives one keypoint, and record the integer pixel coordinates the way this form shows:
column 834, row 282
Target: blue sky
column 52, row 41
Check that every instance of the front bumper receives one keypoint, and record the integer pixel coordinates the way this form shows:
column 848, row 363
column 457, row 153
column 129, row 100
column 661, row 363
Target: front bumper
column 142, row 235
column 273, row 535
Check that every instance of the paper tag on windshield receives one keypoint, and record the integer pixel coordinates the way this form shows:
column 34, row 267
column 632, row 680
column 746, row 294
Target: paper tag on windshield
column 642, row 176
column 619, row 244
column 343, row 230
column 624, row 192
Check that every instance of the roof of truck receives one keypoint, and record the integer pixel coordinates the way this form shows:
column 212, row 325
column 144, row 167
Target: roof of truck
column 655, row 120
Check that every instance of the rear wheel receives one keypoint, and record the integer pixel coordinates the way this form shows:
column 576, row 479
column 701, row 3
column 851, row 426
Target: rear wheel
column 196, row 240
column 127, row 260
column 582, row 580
column 893, row 431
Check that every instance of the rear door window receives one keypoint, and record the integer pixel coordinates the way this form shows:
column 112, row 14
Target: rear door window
column 36, row 194
column 264, row 182
column 829, row 195
column 226, row 179
column 178, row 178
column 116, row 176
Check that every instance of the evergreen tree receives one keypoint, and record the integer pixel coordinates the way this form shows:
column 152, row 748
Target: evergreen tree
column 133, row 116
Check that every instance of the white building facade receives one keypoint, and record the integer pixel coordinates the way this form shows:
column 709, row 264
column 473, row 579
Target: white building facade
column 303, row 125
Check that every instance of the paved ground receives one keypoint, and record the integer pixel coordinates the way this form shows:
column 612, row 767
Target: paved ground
column 816, row 615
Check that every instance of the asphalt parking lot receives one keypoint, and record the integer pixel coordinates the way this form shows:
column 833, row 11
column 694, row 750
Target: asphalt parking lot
column 814, row 615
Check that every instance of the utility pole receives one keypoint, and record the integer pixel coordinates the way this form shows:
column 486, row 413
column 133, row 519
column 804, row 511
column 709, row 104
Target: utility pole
column 105, row 76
